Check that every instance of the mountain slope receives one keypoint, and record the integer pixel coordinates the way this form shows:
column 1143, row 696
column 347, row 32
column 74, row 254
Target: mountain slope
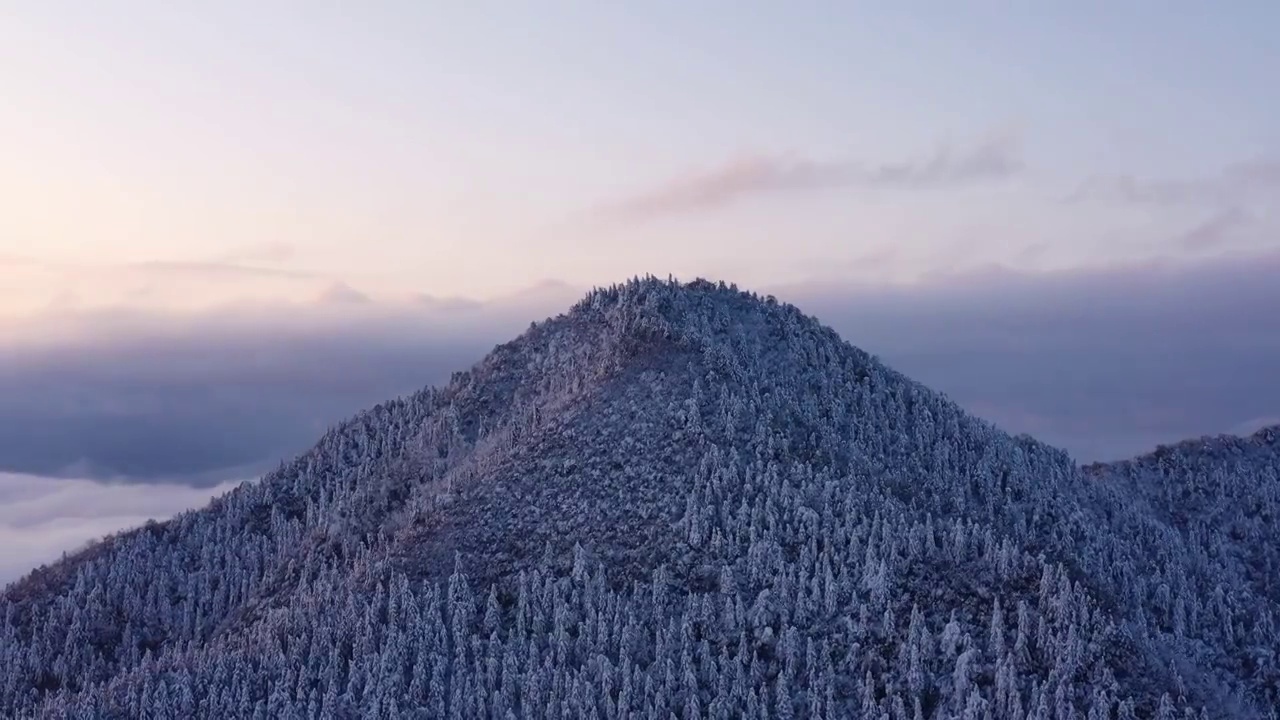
column 672, row 499
column 1217, row 503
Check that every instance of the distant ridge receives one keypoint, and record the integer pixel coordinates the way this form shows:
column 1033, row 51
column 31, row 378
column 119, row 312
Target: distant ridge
column 677, row 500
column 1261, row 439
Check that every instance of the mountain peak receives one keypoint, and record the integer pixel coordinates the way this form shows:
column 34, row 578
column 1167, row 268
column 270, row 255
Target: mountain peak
column 670, row 475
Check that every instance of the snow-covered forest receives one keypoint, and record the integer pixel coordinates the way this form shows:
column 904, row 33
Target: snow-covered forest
column 677, row 500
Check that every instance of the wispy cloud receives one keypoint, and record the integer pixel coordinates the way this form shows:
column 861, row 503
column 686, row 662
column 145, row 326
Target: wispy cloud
column 265, row 252
column 35, row 282
column 216, row 269
column 1218, row 230
column 996, row 158
column 1232, row 185
column 257, row 260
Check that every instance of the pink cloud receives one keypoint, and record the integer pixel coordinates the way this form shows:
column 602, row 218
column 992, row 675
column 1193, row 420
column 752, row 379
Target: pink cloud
column 742, row 178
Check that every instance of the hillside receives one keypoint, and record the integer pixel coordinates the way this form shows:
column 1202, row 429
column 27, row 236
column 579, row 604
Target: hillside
column 676, row 500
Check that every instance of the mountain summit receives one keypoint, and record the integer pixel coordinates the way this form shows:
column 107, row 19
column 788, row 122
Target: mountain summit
column 677, row 500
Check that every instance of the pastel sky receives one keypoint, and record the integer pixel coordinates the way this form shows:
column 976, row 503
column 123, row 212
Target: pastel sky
column 176, row 155
column 225, row 226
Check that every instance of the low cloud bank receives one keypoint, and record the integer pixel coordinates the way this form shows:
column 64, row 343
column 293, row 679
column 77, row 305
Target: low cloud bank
column 107, row 420
column 43, row 517
column 1105, row 363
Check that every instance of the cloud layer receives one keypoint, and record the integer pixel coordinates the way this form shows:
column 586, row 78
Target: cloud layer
column 41, row 518
column 1105, row 363
column 120, row 417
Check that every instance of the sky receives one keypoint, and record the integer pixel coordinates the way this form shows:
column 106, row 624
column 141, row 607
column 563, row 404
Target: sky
column 226, row 226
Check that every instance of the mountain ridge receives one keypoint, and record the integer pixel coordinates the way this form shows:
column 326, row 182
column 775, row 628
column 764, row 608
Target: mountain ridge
column 688, row 430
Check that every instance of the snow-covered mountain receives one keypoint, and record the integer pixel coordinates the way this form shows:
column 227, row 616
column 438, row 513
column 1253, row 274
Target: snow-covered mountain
column 677, row 500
